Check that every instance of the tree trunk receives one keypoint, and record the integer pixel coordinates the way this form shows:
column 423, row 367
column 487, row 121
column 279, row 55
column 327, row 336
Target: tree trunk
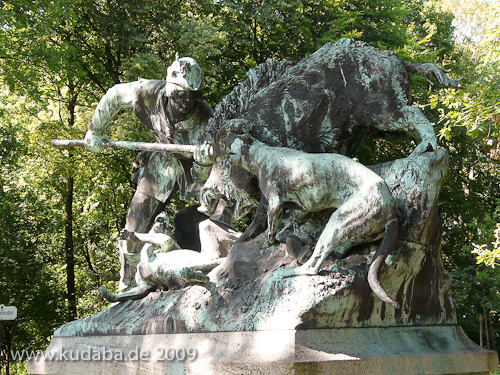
column 7, row 360
column 69, row 249
column 6, row 349
column 492, row 334
column 1, row 350
column 486, row 328
column 481, row 331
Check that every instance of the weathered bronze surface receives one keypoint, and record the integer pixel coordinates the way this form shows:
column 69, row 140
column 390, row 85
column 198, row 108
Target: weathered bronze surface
column 328, row 231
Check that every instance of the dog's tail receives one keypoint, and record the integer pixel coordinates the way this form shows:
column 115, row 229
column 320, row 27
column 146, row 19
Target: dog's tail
column 390, row 237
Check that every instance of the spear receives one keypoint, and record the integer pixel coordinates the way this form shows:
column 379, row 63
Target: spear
column 163, row 147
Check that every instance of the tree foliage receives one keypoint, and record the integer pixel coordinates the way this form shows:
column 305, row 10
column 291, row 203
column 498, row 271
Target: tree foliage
column 468, row 127
column 65, row 208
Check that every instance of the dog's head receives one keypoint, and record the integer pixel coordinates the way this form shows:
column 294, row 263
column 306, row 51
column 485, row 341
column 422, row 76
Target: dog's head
column 209, row 198
column 162, row 223
column 239, row 147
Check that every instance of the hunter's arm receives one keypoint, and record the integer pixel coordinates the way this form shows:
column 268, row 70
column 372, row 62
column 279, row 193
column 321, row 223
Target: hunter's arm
column 120, row 96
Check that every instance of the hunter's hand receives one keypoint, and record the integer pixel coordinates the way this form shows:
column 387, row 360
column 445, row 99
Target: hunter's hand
column 204, row 154
column 126, row 234
column 93, row 142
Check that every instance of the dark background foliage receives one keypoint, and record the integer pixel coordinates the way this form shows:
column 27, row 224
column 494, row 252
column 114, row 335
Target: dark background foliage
column 62, row 210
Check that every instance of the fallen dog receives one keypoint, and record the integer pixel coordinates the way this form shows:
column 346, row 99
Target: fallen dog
column 164, row 264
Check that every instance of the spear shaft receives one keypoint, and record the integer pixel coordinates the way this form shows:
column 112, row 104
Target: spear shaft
column 144, row 146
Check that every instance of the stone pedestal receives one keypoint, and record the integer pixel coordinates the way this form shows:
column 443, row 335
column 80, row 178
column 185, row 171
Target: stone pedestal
column 352, row 351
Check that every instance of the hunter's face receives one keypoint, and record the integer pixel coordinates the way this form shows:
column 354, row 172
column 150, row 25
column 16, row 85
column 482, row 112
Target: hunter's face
column 183, row 100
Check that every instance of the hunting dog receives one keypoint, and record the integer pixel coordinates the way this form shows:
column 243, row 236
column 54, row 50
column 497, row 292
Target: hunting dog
column 365, row 209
